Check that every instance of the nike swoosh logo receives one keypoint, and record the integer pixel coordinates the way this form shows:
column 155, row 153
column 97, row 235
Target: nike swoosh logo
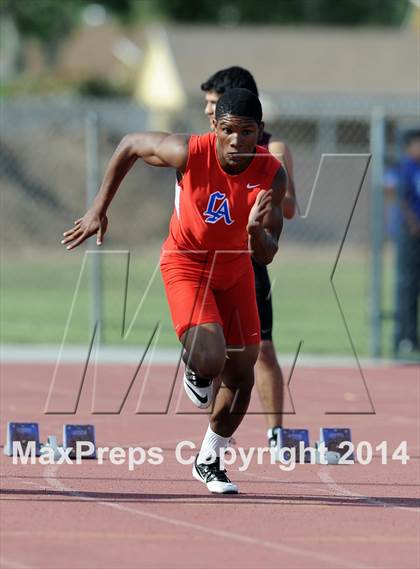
column 252, row 186
column 201, row 399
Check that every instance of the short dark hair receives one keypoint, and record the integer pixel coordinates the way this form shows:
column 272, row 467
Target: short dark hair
column 239, row 103
column 229, row 78
column 411, row 135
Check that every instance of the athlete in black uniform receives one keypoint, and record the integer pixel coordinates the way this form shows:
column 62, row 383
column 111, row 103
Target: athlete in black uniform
column 269, row 377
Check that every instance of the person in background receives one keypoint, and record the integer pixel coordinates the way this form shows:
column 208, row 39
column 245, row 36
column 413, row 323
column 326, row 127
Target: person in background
column 392, row 210
column 269, row 377
column 406, row 335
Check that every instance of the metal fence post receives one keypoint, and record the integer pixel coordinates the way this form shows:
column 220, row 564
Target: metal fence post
column 377, row 148
column 92, row 186
column 327, row 135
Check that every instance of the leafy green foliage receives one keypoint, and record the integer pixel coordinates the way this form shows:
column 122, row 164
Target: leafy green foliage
column 336, row 12
column 51, row 20
column 47, row 20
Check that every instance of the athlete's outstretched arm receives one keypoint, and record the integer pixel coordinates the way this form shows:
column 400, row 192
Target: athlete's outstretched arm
column 155, row 148
column 283, row 153
column 265, row 222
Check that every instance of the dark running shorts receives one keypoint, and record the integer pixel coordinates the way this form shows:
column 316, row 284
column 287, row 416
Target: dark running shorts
column 265, row 308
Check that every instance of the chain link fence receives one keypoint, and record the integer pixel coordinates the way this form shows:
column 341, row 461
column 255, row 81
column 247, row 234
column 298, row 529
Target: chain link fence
column 44, row 170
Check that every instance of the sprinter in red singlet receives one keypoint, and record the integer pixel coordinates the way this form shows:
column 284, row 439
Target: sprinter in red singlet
column 229, row 207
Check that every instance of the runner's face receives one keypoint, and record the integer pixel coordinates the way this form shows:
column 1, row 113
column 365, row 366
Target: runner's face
column 211, row 99
column 236, row 140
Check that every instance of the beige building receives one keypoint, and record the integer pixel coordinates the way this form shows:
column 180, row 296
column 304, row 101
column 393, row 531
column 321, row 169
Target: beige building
column 283, row 59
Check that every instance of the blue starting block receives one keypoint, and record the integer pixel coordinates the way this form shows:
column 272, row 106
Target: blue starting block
column 333, row 437
column 79, row 433
column 291, row 438
column 23, row 433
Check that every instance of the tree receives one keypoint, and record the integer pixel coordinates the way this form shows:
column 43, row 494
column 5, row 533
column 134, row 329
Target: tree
column 47, row 20
column 50, row 21
column 330, row 12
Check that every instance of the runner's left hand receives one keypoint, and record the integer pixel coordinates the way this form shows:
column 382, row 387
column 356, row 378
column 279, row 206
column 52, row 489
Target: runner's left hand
column 261, row 207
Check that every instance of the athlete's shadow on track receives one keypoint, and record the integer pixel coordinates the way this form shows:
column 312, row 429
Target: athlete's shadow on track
column 245, row 499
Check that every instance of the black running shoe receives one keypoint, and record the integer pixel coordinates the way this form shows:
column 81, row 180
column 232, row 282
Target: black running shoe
column 214, row 478
column 199, row 389
column 274, row 443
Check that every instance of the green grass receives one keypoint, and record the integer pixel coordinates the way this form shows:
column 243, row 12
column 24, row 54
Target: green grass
column 37, row 293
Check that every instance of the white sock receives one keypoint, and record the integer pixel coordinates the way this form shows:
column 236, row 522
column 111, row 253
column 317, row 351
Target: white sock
column 211, row 446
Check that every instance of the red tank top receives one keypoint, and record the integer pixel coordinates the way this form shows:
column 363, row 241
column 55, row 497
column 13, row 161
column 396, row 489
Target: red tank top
column 212, row 207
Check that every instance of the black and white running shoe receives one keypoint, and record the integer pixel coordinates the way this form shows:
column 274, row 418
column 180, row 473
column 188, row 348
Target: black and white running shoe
column 214, row 478
column 199, row 389
column 274, row 443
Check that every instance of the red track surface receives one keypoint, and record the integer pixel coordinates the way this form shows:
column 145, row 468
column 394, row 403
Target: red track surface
column 104, row 516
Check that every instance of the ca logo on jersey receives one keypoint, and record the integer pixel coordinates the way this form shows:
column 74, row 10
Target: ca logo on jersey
column 218, row 208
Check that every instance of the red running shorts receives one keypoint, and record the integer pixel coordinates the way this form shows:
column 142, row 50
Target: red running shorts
column 203, row 287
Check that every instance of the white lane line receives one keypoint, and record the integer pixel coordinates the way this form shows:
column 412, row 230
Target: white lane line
column 340, row 490
column 50, row 476
column 48, row 354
